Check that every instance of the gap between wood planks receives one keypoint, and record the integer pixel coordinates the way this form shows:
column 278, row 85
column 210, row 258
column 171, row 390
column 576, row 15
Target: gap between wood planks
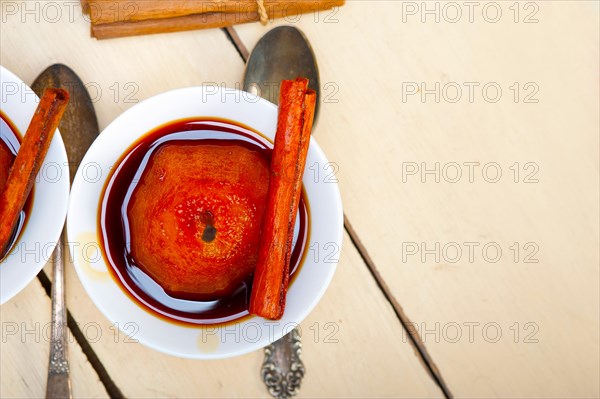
column 415, row 338
column 111, row 388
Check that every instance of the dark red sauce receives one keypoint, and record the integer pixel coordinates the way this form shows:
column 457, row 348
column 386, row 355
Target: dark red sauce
column 116, row 227
column 10, row 142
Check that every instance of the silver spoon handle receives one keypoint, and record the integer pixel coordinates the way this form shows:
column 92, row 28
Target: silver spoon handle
column 283, row 370
column 59, row 385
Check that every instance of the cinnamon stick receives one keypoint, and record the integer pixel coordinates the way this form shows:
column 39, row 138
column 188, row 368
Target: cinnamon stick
column 310, row 101
column 111, row 11
column 28, row 161
column 166, row 25
column 169, row 20
column 271, row 278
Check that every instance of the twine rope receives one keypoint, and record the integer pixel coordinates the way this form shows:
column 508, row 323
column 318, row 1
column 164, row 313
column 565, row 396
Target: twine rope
column 262, row 12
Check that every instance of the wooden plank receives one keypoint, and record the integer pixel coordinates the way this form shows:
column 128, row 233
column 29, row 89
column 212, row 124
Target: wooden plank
column 372, row 56
column 371, row 358
column 25, row 348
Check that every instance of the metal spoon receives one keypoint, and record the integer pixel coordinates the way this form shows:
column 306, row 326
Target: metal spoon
column 283, row 53
column 78, row 128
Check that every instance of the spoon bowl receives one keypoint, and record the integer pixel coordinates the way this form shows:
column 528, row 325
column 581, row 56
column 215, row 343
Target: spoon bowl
column 283, row 53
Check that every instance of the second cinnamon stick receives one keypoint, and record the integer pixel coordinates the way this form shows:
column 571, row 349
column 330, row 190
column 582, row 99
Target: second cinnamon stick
column 296, row 110
column 28, row 161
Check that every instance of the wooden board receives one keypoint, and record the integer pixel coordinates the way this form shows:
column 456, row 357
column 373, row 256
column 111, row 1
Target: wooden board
column 371, row 357
column 382, row 125
column 25, row 348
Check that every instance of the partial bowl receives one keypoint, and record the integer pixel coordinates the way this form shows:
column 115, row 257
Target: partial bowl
column 200, row 341
column 44, row 225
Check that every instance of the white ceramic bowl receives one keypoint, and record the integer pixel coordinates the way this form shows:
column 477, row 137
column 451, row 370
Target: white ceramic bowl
column 201, row 342
column 51, row 194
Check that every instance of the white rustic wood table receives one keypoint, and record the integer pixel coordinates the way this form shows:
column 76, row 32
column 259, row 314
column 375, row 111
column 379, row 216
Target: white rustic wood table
column 466, row 136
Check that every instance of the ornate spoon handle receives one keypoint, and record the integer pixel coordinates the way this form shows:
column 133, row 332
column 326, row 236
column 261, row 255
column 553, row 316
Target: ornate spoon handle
column 282, row 369
column 59, row 385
